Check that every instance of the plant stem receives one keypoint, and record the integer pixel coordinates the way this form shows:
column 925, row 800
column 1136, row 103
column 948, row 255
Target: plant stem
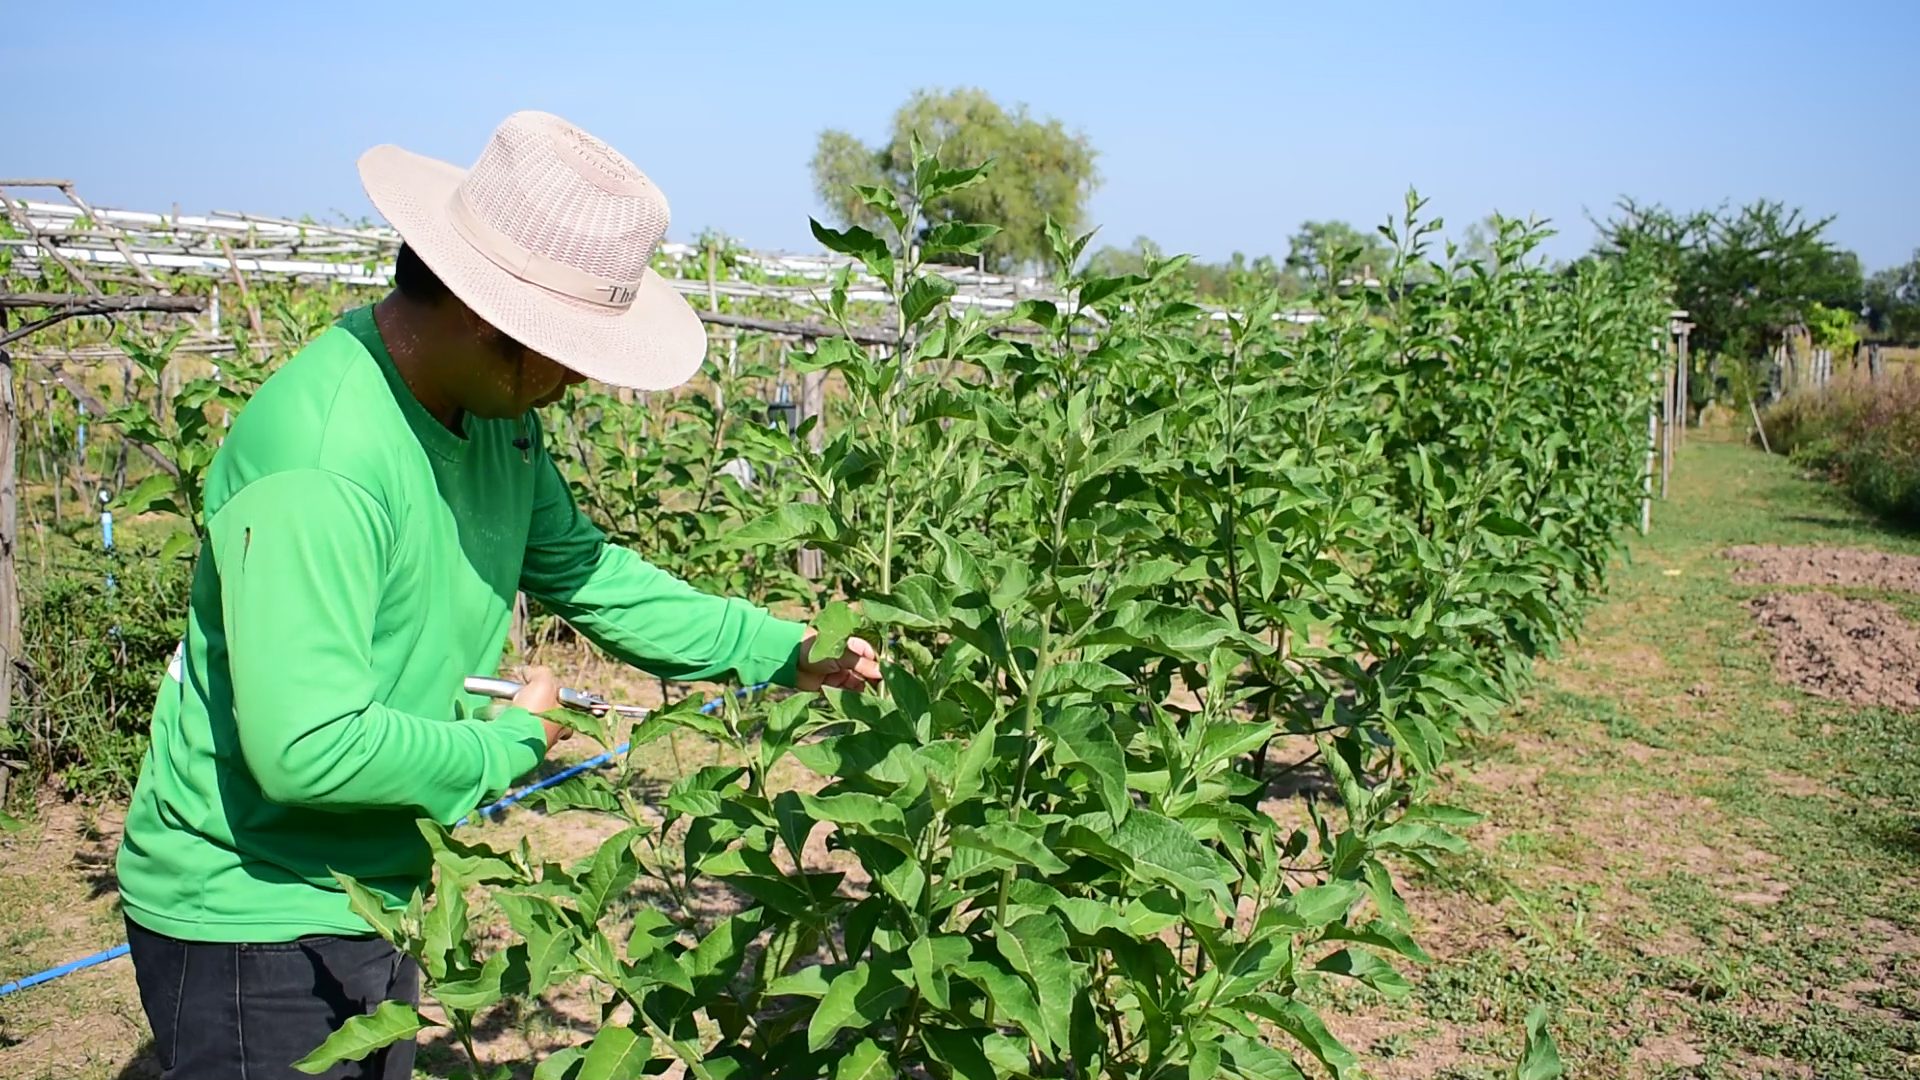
column 463, row 1027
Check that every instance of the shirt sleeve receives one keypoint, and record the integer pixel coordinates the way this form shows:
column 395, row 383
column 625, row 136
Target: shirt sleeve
column 639, row 612
column 302, row 558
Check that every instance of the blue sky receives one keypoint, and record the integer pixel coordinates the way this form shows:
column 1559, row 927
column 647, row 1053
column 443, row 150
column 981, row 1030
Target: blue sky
column 1219, row 126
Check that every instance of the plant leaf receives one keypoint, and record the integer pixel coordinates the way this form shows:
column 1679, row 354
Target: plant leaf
column 1085, row 738
column 872, row 251
column 613, row 869
column 617, row 1052
column 563, row 1064
column 180, row 543
column 1369, row 969
column 1163, row 850
column 443, row 931
column 927, row 292
column 476, row 863
column 791, row 523
column 1036, row 946
column 549, row 939
column 956, row 237
column 961, row 1051
column 832, row 627
column 1011, row 843
column 859, row 997
column 866, row 1061
column 362, row 1035
column 1541, row 1059
column 1010, row 998
column 372, row 907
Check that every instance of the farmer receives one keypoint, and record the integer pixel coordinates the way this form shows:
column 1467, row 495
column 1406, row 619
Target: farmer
column 369, row 519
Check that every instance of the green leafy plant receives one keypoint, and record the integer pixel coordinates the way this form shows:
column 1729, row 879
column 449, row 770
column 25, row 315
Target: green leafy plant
column 1138, row 570
column 91, row 662
column 184, row 430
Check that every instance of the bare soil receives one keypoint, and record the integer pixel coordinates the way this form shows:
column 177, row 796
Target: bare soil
column 1825, row 566
column 1859, row 651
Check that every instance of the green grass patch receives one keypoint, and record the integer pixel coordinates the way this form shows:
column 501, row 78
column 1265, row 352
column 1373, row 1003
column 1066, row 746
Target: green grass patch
column 1735, row 896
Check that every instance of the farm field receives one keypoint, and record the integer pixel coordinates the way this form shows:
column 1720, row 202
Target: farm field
column 1701, row 870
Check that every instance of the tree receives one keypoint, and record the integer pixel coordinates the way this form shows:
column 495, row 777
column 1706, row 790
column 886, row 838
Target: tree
column 1217, row 283
column 1321, row 248
column 1477, row 242
column 1893, row 301
column 1110, row 261
column 1040, row 170
column 1743, row 276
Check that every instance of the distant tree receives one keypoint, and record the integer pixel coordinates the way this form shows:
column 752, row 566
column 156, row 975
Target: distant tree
column 1476, row 243
column 1110, row 261
column 1321, row 248
column 1893, row 301
column 1744, row 276
column 1040, row 169
column 1211, row 282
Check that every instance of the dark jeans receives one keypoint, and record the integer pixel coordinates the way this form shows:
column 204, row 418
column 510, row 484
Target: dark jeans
column 248, row 1012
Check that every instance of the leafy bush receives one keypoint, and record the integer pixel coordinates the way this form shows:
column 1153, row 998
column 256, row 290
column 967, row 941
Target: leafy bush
column 93, row 659
column 1118, row 551
column 1865, row 435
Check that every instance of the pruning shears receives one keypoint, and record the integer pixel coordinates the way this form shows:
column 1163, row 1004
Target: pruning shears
column 577, row 700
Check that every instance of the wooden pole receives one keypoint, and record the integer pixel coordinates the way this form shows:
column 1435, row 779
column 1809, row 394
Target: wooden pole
column 1646, row 496
column 72, row 307
column 9, row 579
column 246, row 294
column 1669, row 382
column 1686, row 381
column 803, row 330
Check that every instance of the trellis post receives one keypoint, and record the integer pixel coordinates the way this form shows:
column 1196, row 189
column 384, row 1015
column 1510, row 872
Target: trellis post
column 9, row 578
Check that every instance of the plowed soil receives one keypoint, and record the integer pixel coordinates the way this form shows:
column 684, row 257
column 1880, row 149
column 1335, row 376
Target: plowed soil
column 1831, row 567
column 1858, row 651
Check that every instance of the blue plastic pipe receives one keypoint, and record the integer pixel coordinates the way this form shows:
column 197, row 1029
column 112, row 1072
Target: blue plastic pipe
column 488, row 810
column 64, row 969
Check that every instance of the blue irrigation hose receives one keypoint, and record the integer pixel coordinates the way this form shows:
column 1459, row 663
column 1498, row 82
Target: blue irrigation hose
column 488, row 810
column 64, row 969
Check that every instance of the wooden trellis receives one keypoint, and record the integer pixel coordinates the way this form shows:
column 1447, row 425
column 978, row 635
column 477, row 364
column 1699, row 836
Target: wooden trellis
column 57, row 308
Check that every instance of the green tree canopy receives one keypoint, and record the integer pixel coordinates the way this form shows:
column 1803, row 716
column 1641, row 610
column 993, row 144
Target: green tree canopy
column 1040, row 169
column 1212, row 282
column 1744, row 275
column 1893, row 301
column 1321, row 248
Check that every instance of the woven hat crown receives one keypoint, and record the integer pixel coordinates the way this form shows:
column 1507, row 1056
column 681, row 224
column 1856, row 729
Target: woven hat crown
column 555, row 206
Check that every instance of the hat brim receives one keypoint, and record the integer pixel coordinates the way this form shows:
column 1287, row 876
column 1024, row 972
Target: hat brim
column 657, row 343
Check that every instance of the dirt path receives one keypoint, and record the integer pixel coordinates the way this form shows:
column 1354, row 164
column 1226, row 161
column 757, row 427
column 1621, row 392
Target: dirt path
column 1701, row 870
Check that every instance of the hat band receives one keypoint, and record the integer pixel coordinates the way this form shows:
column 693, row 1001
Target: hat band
column 535, row 268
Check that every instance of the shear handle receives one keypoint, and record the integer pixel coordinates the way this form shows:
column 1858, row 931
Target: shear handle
column 505, row 689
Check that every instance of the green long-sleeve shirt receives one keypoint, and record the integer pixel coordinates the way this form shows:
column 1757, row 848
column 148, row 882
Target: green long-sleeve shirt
column 360, row 560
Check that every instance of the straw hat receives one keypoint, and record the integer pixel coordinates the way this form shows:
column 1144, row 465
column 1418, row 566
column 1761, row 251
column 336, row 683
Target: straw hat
column 548, row 238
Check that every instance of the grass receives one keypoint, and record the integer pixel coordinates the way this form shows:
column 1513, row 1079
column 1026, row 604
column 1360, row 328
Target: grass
column 1703, row 873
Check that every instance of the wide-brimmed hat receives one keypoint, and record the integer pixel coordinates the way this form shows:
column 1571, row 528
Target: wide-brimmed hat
column 548, row 238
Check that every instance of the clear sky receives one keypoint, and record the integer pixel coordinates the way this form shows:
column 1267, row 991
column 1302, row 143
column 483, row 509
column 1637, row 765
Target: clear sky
column 1219, row 126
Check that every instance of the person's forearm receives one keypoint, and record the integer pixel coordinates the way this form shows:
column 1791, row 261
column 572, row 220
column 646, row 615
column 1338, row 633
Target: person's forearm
column 661, row 624
column 382, row 758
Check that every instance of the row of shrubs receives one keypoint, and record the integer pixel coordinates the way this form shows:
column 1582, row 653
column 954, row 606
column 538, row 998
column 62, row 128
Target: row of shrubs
column 96, row 634
column 1866, row 435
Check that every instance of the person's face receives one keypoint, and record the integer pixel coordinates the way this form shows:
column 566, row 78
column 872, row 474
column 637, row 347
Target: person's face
column 512, row 378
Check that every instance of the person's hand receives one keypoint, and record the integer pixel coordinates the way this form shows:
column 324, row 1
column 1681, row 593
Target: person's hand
column 541, row 695
column 856, row 668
